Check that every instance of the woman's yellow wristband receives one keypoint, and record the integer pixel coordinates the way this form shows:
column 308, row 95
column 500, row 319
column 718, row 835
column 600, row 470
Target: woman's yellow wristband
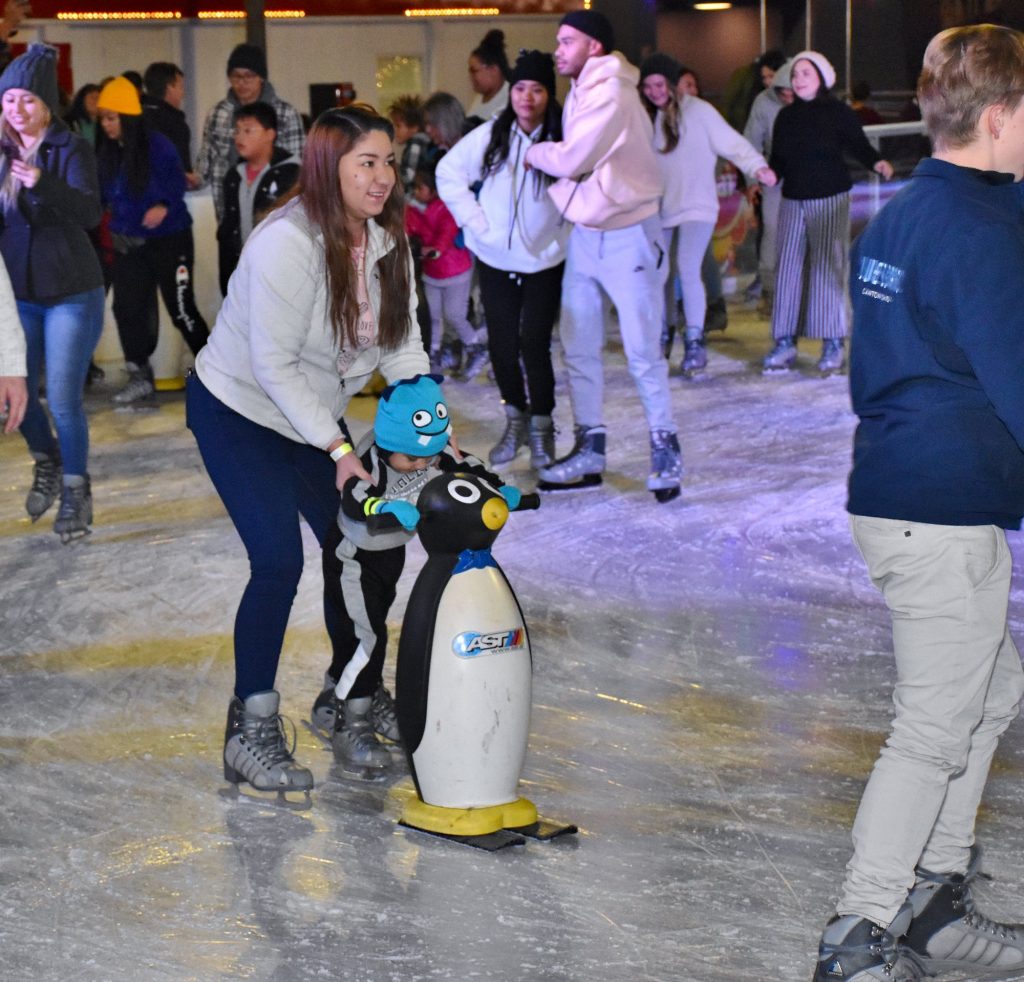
column 338, row 452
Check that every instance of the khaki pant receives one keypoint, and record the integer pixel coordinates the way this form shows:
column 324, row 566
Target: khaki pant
column 958, row 684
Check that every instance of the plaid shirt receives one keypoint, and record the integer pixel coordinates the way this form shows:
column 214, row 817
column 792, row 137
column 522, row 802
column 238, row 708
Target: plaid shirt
column 217, row 154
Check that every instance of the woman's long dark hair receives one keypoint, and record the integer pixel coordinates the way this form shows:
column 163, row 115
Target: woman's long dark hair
column 129, row 155
column 77, row 112
column 500, row 143
column 669, row 115
column 335, row 133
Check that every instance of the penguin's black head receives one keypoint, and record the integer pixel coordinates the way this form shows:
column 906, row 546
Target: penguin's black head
column 459, row 511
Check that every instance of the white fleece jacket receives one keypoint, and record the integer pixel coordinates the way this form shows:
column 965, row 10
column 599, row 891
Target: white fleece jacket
column 12, row 334
column 513, row 224
column 609, row 176
column 272, row 356
column 689, row 170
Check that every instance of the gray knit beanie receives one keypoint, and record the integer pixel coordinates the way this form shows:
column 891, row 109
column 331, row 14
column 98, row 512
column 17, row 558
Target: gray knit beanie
column 36, row 72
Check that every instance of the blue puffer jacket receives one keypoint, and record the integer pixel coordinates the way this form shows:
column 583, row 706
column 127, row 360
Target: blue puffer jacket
column 166, row 186
column 44, row 238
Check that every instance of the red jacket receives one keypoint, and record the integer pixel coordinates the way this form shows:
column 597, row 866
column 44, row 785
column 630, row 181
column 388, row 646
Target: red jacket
column 436, row 229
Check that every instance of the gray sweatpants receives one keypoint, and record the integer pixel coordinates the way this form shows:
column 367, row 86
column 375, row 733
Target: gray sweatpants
column 630, row 266
column 958, row 684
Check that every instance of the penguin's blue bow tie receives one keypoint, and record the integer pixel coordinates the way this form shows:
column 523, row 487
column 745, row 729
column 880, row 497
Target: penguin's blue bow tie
column 474, row 559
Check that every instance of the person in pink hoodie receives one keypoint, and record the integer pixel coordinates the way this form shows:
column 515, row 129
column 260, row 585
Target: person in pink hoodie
column 609, row 185
column 447, row 272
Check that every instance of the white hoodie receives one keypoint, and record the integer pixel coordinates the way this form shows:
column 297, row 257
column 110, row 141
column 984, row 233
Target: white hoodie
column 513, row 225
column 609, row 175
column 272, row 356
column 689, row 170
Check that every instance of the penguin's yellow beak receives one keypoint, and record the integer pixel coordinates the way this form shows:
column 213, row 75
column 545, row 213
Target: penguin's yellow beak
column 494, row 513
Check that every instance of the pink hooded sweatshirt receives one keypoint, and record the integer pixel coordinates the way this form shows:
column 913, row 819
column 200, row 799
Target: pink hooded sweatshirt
column 609, row 173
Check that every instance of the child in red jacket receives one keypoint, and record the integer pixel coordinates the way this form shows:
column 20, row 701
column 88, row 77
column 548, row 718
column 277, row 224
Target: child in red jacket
column 447, row 272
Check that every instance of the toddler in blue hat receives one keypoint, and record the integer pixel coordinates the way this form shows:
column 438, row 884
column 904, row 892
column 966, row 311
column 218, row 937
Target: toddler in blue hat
column 406, row 449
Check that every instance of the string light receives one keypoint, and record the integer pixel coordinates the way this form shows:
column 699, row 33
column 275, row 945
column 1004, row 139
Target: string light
column 119, row 15
column 453, row 12
column 240, row 14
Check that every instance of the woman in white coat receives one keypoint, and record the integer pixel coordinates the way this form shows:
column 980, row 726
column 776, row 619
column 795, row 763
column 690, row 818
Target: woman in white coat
column 516, row 233
column 322, row 296
column 689, row 135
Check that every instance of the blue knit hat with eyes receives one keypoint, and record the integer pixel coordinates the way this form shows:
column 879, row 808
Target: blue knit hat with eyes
column 412, row 417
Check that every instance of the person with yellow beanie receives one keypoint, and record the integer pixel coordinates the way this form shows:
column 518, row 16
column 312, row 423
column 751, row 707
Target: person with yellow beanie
column 143, row 186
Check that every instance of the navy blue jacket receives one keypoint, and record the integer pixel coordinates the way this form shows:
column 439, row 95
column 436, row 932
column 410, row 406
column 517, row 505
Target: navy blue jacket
column 44, row 237
column 937, row 358
column 166, row 186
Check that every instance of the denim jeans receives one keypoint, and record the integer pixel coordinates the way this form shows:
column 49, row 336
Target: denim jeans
column 64, row 333
column 265, row 481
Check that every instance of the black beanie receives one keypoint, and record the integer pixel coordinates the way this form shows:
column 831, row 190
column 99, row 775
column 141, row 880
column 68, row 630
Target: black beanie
column 250, row 58
column 36, row 72
column 659, row 64
column 534, row 66
column 593, row 24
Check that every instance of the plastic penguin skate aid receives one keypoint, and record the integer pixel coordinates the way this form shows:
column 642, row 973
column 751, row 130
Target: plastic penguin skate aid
column 464, row 673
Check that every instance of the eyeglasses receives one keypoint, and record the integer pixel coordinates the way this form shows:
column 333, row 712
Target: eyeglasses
column 242, row 76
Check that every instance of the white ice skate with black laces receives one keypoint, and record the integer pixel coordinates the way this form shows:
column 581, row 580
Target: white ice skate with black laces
column 666, row 466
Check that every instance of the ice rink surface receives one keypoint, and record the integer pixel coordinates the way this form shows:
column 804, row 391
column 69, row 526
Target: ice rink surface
column 712, row 682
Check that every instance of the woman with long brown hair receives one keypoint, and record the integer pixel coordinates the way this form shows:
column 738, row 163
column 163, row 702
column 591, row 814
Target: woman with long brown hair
column 322, row 297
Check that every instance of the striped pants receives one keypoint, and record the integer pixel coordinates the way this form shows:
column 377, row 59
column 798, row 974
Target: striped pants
column 813, row 268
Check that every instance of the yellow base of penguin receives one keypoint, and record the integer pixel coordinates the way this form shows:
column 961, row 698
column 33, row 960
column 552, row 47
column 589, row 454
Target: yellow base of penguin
column 469, row 821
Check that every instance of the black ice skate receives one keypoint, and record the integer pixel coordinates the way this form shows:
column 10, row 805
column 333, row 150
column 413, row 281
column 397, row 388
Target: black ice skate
column 781, row 358
column 581, row 468
column 256, row 749
column 949, row 934
column 716, row 318
column 75, row 513
column 139, row 392
column 514, row 437
column 355, row 744
column 855, row 949
column 833, row 357
column 325, row 710
column 695, row 359
column 46, row 484
column 666, row 466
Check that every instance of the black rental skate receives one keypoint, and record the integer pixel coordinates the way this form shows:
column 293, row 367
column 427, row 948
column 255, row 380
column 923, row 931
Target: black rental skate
column 75, row 513
column 581, row 468
column 695, row 359
column 666, row 466
column 781, row 358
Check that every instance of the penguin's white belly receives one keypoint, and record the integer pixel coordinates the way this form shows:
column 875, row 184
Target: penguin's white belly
column 478, row 696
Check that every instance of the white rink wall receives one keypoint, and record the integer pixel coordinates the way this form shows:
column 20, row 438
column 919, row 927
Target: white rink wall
column 299, row 52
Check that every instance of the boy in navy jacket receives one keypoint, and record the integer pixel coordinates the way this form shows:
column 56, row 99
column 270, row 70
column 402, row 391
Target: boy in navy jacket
column 938, row 474
column 265, row 171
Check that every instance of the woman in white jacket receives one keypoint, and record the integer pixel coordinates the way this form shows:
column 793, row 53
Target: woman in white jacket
column 519, row 240
column 689, row 135
column 322, row 296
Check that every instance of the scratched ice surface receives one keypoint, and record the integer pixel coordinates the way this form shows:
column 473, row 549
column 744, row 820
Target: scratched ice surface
column 711, row 685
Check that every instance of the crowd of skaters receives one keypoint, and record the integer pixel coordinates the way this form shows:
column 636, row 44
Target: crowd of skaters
column 608, row 197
